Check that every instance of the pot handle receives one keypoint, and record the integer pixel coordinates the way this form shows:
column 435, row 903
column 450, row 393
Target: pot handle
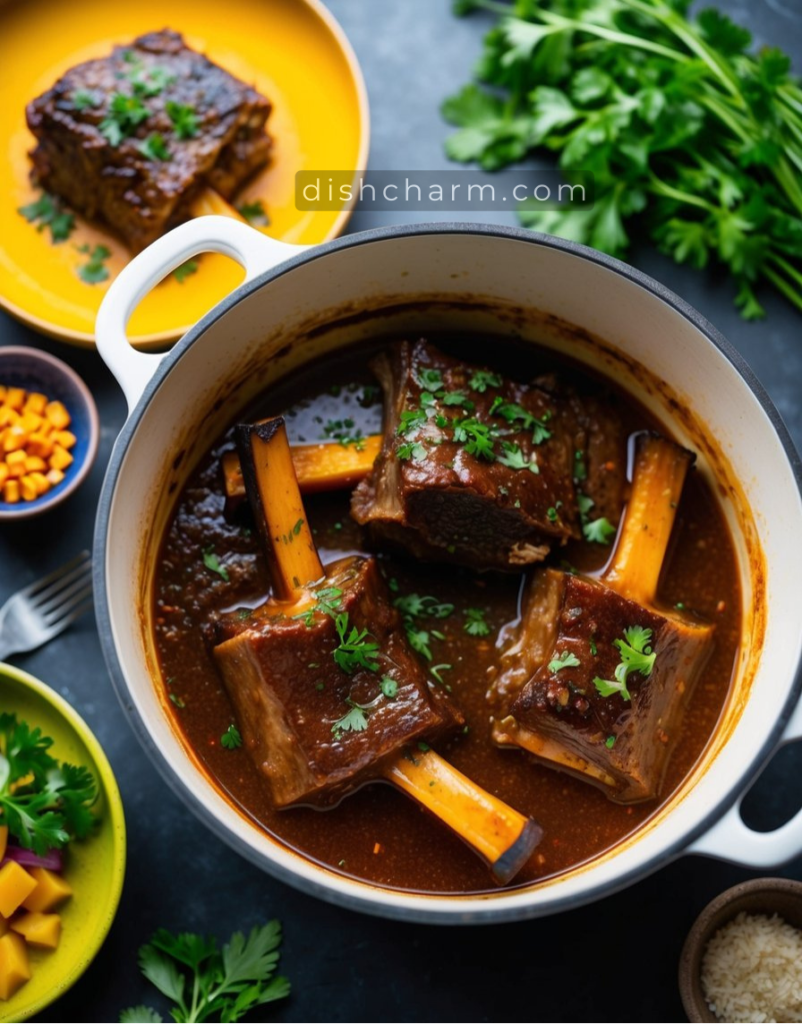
column 732, row 840
column 254, row 251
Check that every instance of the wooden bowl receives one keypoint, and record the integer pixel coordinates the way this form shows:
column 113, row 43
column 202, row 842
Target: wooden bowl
column 769, row 896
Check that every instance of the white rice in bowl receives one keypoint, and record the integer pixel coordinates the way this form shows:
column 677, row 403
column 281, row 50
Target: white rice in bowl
column 752, row 971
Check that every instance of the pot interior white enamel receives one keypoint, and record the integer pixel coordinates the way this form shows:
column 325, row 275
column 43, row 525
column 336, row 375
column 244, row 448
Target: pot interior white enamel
column 469, row 279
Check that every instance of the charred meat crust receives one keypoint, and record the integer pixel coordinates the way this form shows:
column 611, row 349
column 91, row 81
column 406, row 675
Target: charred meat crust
column 139, row 198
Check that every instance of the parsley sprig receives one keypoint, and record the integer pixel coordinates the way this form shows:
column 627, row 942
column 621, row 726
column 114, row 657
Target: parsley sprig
column 203, row 981
column 357, row 648
column 636, row 656
column 43, row 802
column 47, row 212
column 683, row 127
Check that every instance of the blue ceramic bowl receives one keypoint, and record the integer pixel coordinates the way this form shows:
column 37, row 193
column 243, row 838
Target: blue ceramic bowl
column 38, row 371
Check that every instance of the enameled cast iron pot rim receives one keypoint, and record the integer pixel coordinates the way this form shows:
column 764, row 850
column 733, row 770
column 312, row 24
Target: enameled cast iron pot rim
column 493, row 914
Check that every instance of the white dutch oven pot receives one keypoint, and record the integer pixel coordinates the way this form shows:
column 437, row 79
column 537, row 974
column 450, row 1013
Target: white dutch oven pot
column 298, row 303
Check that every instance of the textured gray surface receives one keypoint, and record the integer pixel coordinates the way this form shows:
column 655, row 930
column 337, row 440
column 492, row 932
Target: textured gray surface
column 613, row 961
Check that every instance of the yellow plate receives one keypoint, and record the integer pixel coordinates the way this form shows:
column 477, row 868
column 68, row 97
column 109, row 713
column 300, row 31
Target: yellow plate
column 95, row 867
column 291, row 50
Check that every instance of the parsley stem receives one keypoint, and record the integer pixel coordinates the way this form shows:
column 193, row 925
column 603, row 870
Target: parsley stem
column 612, row 35
column 661, row 188
column 779, row 282
column 784, row 265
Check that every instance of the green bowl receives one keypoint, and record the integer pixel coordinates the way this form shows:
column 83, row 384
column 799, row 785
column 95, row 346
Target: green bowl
column 94, row 868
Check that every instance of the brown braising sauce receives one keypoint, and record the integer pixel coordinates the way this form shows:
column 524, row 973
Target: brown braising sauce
column 378, row 834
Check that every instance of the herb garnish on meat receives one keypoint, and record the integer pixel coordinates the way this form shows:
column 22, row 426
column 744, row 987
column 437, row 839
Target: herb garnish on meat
column 636, row 656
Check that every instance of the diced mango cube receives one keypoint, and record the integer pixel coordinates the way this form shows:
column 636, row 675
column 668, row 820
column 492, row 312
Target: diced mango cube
column 54, row 477
column 3, row 473
column 57, row 414
column 30, row 421
column 35, row 402
column 51, row 889
column 16, row 463
column 16, row 885
column 39, row 481
column 8, row 416
column 60, row 458
column 14, row 967
column 3, row 840
column 40, row 444
column 11, row 491
column 27, row 489
column 15, row 397
column 39, row 929
column 65, row 438
column 35, row 464
column 14, row 438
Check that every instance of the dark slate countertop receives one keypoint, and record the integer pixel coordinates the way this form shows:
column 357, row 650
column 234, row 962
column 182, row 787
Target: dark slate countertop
column 615, row 960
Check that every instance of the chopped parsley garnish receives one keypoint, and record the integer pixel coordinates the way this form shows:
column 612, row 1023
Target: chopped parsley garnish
column 476, row 438
column 354, row 720
column 610, row 742
column 552, row 515
column 154, row 147
column 175, row 699
column 185, row 270
column 357, row 648
column 518, row 417
column 411, row 419
column 94, row 270
column 474, row 624
column 417, row 606
column 481, row 380
column 83, row 99
column 125, row 114
column 580, row 470
column 231, row 738
column 212, row 563
column 457, row 398
column 430, row 379
column 636, row 656
column 599, row 531
column 594, row 650
column 185, row 120
column 44, row 803
column 411, row 450
column 151, row 81
column 46, row 212
column 514, row 458
column 389, row 687
column 254, row 212
column 565, row 659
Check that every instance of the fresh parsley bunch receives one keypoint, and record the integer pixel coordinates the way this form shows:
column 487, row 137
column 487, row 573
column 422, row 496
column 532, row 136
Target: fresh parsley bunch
column 204, row 981
column 680, row 124
column 43, row 802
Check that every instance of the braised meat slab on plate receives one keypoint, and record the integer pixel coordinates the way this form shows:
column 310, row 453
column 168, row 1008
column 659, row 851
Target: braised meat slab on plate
column 131, row 139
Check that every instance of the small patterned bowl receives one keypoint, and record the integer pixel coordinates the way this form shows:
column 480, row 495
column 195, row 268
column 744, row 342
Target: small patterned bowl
column 34, row 370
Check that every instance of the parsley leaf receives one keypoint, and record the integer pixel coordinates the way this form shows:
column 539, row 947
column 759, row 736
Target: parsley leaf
column 357, row 648
column 125, row 114
column 481, row 380
column 636, row 656
column 94, row 271
column 514, row 458
column 477, row 438
column 565, row 659
column 411, row 420
column 354, row 720
column 599, row 531
column 475, row 624
column 231, row 738
column 83, row 99
column 185, row 120
column 212, row 563
column 185, row 270
column 202, row 980
column 154, row 147
column 411, row 450
column 389, row 687
column 430, row 379
column 44, row 803
column 46, row 212
column 254, row 212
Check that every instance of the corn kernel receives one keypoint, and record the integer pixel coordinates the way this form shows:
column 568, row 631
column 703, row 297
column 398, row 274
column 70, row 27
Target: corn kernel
column 60, row 458
column 57, row 415
column 35, row 402
column 11, row 491
column 15, row 397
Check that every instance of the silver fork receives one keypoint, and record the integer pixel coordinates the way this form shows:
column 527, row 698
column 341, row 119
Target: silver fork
column 44, row 609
